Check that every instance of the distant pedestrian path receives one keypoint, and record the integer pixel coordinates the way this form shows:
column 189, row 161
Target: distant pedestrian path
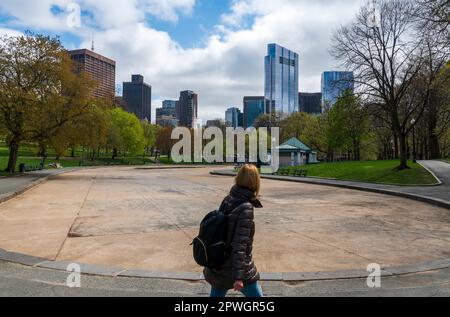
column 440, row 169
column 15, row 185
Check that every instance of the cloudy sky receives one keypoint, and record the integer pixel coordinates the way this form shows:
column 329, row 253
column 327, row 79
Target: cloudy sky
column 214, row 47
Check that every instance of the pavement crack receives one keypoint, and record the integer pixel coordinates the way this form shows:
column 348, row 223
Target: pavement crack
column 93, row 179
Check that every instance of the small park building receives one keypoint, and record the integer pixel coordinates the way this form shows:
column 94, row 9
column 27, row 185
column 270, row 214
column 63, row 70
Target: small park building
column 295, row 153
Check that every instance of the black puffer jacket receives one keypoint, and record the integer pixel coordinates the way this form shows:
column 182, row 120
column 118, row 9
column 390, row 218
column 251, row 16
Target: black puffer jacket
column 239, row 266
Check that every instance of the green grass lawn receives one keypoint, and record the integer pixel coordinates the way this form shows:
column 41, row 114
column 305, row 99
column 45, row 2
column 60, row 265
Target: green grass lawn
column 381, row 172
column 73, row 162
column 27, row 155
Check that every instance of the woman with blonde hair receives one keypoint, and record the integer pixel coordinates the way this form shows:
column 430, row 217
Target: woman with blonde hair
column 239, row 271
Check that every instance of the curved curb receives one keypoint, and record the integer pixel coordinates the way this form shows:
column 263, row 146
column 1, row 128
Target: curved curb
column 8, row 196
column 113, row 272
column 328, row 182
column 431, row 172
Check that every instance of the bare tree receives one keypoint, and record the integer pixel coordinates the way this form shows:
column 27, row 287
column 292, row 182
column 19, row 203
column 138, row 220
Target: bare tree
column 390, row 58
column 434, row 14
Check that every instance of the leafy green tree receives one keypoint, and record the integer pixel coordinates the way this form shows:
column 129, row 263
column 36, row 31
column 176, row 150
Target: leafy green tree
column 164, row 142
column 349, row 125
column 126, row 134
column 266, row 121
column 150, row 132
column 310, row 129
column 39, row 92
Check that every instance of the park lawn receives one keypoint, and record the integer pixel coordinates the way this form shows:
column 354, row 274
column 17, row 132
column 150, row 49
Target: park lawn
column 73, row 162
column 380, row 172
column 26, row 150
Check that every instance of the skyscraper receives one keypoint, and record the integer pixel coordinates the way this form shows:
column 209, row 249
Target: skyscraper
column 253, row 108
column 310, row 102
column 100, row 69
column 167, row 115
column 334, row 84
column 138, row 97
column 234, row 118
column 281, row 81
column 187, row 109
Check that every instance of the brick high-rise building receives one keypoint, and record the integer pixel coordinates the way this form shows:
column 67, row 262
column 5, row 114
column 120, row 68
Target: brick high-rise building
column 99, row 68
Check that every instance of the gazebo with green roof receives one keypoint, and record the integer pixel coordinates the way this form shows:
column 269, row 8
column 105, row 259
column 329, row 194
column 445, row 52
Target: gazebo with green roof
column 296, row 153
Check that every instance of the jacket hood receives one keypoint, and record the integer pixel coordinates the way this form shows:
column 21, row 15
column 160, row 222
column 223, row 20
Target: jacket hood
column 246, row 194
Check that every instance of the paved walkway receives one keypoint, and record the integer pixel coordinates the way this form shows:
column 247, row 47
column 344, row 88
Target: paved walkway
column 131, row 218
column 17, row 184
column 18, row 280
column 439, row 194
column 440, row 168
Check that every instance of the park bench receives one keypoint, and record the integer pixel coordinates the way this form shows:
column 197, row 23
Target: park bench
column 301, row 173
column 23, row 168
column 296, row 173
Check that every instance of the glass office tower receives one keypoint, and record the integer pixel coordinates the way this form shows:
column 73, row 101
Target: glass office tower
column 281, row 81
column 234, row 118
column 334, row 84
column 253, row 108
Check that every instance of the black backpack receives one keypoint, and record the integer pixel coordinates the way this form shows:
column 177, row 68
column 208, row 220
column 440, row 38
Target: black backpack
column 210, row 247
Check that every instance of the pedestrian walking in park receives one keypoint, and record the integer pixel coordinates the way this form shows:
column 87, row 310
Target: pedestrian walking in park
column 238, row 271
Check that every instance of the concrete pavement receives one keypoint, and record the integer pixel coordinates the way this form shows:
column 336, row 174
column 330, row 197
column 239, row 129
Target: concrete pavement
column 18, row 280
column 132, row 218
column 440, row 168
column 421, row 228
column 437, row 195
column 16, row 185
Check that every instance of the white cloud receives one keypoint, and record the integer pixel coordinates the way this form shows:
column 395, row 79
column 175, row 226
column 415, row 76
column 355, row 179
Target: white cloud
column 230, row 64
column 9, row 32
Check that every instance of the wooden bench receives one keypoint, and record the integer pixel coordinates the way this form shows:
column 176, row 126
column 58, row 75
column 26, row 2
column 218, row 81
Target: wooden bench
column 29, row 168
column 301, row 173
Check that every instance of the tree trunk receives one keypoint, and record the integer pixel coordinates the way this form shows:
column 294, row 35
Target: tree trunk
column 434, row 147
column 357, row 150
column 13, row 156
column 72, row 153
column 396, row 147
column 403, row 152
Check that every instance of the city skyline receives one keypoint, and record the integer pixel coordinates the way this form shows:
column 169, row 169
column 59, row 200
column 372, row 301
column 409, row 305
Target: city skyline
column 215, row 50
column 281, row 86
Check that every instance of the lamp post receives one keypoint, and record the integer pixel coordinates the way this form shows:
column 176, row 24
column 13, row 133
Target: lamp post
column 413, row 122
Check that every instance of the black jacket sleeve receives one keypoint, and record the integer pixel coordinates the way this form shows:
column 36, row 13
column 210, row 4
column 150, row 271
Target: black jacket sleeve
column 241, row 239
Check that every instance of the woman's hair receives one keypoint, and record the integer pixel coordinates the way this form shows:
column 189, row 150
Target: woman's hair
column 248, row 177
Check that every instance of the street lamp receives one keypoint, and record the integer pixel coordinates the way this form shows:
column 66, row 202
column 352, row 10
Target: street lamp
column 413, row 123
